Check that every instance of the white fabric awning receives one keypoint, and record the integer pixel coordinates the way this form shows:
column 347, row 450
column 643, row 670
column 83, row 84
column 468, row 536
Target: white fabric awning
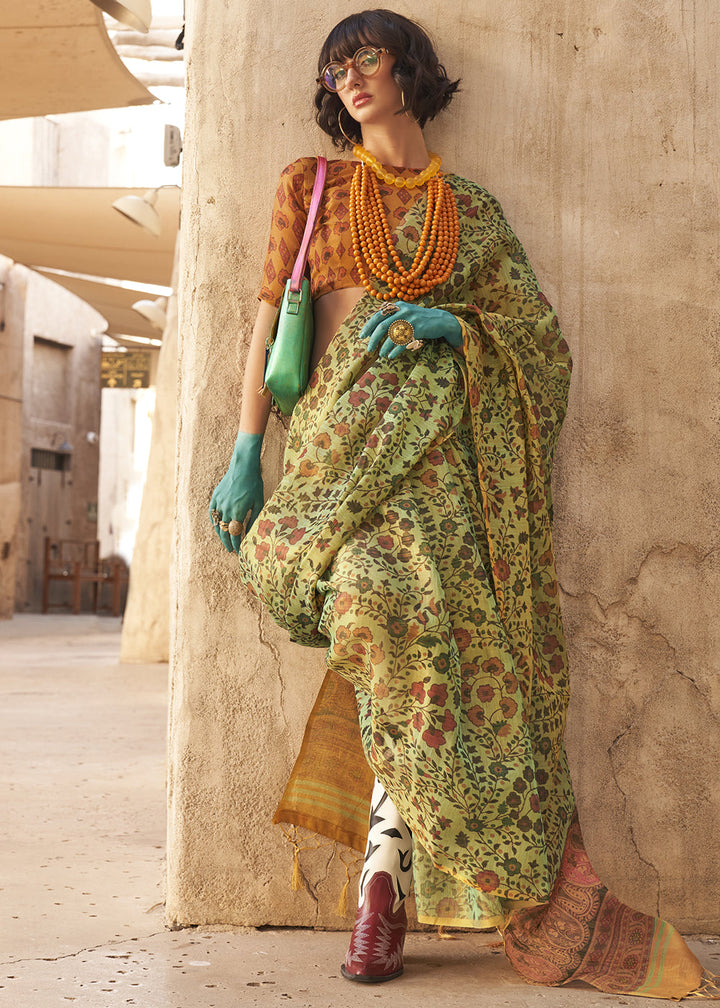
column 78, row 231
column 56, row 56
column 113, row 302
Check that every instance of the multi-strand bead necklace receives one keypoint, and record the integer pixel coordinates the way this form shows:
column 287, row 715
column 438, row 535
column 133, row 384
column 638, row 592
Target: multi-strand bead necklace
column 372, row 241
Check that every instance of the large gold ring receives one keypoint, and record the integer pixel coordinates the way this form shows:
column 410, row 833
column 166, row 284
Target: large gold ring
column 215, row 514
column 235, row 528
column 389, row 309
column 401, row 332
column 224, row 526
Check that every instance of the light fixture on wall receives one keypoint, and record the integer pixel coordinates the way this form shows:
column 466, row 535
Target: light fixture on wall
column 141, row 209
column 153, row 311
column 135, row 14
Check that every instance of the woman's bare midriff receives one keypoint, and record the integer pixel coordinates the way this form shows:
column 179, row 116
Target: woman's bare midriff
column 330, row 310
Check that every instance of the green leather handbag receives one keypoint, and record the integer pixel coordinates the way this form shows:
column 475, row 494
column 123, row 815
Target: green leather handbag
column 289, row 346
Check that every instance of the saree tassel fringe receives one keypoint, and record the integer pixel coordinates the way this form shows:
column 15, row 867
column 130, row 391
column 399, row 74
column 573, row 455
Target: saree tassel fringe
column 342, row 907
column 709, row 990
column 298, row 879
column 352, row 863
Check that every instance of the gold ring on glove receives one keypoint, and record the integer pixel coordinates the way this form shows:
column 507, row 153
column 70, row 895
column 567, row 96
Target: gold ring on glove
column 215, row 515
column 401, row 332
column 224, row 526
column 389, row 309
column 235, row 528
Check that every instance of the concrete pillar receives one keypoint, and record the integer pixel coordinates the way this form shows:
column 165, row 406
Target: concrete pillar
column 146, row 625
column 594, row 126
column 12, row 316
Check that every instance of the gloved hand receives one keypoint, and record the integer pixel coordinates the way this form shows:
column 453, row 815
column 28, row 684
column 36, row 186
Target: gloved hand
column 239, row 491
column 427, row 324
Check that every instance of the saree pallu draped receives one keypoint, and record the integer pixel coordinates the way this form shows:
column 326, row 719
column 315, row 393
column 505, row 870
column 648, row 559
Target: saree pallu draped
column 411, row 537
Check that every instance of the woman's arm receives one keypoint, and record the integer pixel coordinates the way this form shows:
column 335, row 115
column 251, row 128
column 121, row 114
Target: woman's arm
column 255, row 408
column 239, row 497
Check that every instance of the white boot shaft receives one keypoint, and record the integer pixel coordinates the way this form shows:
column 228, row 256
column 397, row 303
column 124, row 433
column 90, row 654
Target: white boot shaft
column 389, row 846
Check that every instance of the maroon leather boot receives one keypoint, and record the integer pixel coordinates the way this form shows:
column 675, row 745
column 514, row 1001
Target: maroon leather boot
column 376, row 946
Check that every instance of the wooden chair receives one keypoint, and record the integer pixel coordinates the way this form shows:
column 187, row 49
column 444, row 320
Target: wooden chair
column 78, row 563
column 117, row 576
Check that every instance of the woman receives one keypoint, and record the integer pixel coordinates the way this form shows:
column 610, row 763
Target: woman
column 411, row 538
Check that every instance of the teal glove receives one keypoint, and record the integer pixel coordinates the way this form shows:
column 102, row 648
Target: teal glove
column 239, row 491
column 427, row 324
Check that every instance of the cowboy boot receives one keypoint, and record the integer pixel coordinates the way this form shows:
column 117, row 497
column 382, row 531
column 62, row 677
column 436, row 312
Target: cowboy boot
column 376, row 945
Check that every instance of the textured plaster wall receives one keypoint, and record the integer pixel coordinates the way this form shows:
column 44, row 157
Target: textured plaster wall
column 594, row 124
column 50, row 394
column 125, row 437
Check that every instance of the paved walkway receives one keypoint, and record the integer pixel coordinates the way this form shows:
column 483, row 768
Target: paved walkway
column 82, row 744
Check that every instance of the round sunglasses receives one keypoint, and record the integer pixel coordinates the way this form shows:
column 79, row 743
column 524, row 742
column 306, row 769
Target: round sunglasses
column 366, row 61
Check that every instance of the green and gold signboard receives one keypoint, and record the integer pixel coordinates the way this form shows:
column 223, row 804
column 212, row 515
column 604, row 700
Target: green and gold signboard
column 125, row 370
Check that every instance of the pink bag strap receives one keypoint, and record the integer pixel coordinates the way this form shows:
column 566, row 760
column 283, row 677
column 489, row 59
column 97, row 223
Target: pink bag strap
column 299, row 268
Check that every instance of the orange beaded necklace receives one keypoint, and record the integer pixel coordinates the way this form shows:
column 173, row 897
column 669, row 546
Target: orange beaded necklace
column 372, row 242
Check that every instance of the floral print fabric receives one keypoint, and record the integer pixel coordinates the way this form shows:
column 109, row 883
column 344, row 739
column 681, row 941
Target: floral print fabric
column 410, row 536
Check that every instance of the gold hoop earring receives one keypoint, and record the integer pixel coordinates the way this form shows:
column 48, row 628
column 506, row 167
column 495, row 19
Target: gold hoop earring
column 407, row 112
column 351, row 142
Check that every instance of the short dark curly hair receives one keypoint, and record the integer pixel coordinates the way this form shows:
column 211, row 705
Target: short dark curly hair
column 426, row 87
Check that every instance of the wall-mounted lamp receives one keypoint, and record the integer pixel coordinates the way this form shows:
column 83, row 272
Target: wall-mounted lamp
column 141, row 209
column 133, row 13
column 153, row 311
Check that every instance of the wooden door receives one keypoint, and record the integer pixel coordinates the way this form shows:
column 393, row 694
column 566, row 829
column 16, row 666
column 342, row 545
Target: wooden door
column 48, row 514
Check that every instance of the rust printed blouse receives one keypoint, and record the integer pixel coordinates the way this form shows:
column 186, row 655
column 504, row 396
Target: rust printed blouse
column 330, row 258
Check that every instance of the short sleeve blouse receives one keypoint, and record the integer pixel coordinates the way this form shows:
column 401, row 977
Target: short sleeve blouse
column 331, row 262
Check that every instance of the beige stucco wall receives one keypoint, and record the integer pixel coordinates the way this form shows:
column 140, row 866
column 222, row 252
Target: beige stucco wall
column 594, row 125
column 50, row 394
column 126, row 427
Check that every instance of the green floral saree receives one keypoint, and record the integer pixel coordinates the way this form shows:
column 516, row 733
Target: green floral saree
column 411, row 538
